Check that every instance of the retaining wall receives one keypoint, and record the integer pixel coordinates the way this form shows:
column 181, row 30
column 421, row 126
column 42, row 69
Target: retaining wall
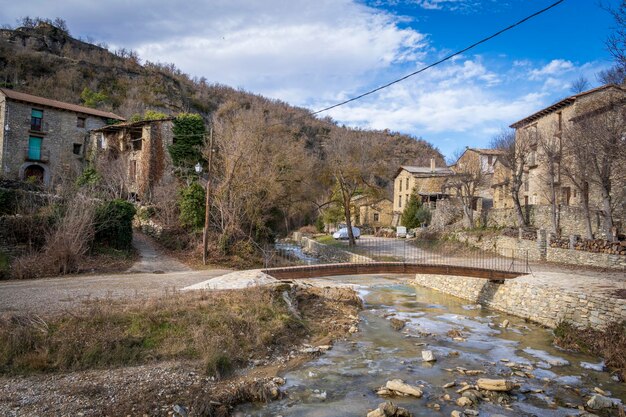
column 541, row 304
column 327, row 253
column 539, row 250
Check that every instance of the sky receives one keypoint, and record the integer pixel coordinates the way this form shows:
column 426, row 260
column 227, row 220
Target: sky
column 316, row 53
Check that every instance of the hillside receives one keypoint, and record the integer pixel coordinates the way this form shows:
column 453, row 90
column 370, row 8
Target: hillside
column 45, row 60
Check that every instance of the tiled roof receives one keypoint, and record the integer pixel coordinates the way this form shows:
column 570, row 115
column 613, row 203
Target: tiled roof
column 488, row 151
column 29, row 98
column 563, row 103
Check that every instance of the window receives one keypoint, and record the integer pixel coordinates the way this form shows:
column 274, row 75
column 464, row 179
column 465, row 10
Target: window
column 400, row 201
column 133, row 170
column 36, row 116
column 375, row 217
column 400, row 185
column 136, row 139
column 80, row 122
column 489, row 160
column 407, row 184
column 34, row 148
column 76, row 150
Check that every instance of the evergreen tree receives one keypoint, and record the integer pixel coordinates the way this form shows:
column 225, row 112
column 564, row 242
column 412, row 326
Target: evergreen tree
column 409, row 215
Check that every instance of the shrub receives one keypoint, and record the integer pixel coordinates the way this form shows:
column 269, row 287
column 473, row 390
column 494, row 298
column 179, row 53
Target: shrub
column 423, row 216
column 191, row 205
column 409, row 215
column 8, row 201
column 114, row 224
column 319, row 224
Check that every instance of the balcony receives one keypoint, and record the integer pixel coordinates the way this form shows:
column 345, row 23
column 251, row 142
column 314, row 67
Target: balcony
column 36, row 155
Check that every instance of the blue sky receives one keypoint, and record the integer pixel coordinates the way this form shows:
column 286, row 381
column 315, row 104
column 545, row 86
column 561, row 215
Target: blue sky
column 315, row 53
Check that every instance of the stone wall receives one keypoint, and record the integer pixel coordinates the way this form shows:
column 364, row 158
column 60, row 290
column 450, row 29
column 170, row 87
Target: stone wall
column 541, row 304
column 539, row 250
column 327, row 253
column 571, row 219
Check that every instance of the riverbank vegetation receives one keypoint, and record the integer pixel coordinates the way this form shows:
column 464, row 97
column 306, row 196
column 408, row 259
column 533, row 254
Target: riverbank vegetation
column 609, row 343
column 221, row 331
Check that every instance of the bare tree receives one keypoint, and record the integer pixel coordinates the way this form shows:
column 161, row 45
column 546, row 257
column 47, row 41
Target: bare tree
column 616, row 42
column 579, row 85
column 468, row 177
column 352, row 167
column 577, row 168
column 602, row 133
column 516, row 155
column 550, row 158
column 614, row 75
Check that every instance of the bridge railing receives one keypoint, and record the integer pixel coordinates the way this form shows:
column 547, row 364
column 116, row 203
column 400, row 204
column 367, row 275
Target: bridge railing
column 410, row 251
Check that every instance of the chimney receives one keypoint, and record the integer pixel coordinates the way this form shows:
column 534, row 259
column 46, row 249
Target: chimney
column 432, row 164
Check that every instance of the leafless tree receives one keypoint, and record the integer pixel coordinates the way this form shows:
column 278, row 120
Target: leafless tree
column 352, row 167
column 602, row 134
column 577, row 168
column 614, row 75
column 616, row 42
column 579, row 85
column 468, row 177
column 515, row 157
column 550, row 147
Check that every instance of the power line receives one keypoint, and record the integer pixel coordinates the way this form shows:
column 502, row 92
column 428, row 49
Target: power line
column 448, row 57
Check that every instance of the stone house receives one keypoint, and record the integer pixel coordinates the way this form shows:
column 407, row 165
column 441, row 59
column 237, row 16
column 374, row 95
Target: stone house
column 44, row 139
column 500, row 185
column 427, row 182
column 138, row 149
column 372, row 212
column 543, row 135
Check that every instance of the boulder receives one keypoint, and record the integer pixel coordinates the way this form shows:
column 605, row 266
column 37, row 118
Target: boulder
column 397, row 324
column 399, row 386
column 457, row 413
column 495, row 384
column 464, row 402
column 428, row 356
column 388, row 409
column 598, row 402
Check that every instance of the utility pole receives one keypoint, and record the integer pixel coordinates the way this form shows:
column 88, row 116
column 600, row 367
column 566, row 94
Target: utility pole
column 207, row 203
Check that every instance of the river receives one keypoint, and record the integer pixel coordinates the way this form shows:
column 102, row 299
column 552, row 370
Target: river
column 343, row 381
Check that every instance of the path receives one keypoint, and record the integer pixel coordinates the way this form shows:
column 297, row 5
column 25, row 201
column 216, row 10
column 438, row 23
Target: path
column 151, row 260
column 154, row 274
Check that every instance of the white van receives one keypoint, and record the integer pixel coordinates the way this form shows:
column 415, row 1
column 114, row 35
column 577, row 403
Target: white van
column 400, row 231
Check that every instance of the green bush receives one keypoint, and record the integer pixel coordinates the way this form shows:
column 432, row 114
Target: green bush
column 114, row 224
column 8, row 201
column 319, row 224
column 409, row 215
column 191, row 205
column 423, row 216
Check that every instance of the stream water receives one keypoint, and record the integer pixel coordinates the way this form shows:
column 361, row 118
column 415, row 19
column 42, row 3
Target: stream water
column 342, row 382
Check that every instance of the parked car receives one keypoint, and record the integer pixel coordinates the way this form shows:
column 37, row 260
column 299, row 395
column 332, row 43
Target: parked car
column 400, row 231
column 343, row 233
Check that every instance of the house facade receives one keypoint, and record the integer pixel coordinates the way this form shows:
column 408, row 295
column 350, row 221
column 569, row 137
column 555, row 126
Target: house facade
column 501, row 185
column 138, row 150
column 43, row 139
column 371, row 212
column 426, row 182
column 544, row 136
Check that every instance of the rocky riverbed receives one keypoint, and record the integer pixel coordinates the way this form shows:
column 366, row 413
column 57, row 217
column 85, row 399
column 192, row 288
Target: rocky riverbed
column 418, row 352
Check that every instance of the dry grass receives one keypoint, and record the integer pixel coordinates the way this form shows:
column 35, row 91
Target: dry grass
column 222, row 329
column 610, row 344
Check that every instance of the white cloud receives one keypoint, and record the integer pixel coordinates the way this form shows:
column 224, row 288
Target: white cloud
column 446, row 4
column 554, row 67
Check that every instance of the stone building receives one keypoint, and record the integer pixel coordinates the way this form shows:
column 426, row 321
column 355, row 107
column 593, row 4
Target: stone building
column 427, row 182
column 501, row 185
column 138, row 149
column 543, row 136
column 44, row 139
column 372, row 212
